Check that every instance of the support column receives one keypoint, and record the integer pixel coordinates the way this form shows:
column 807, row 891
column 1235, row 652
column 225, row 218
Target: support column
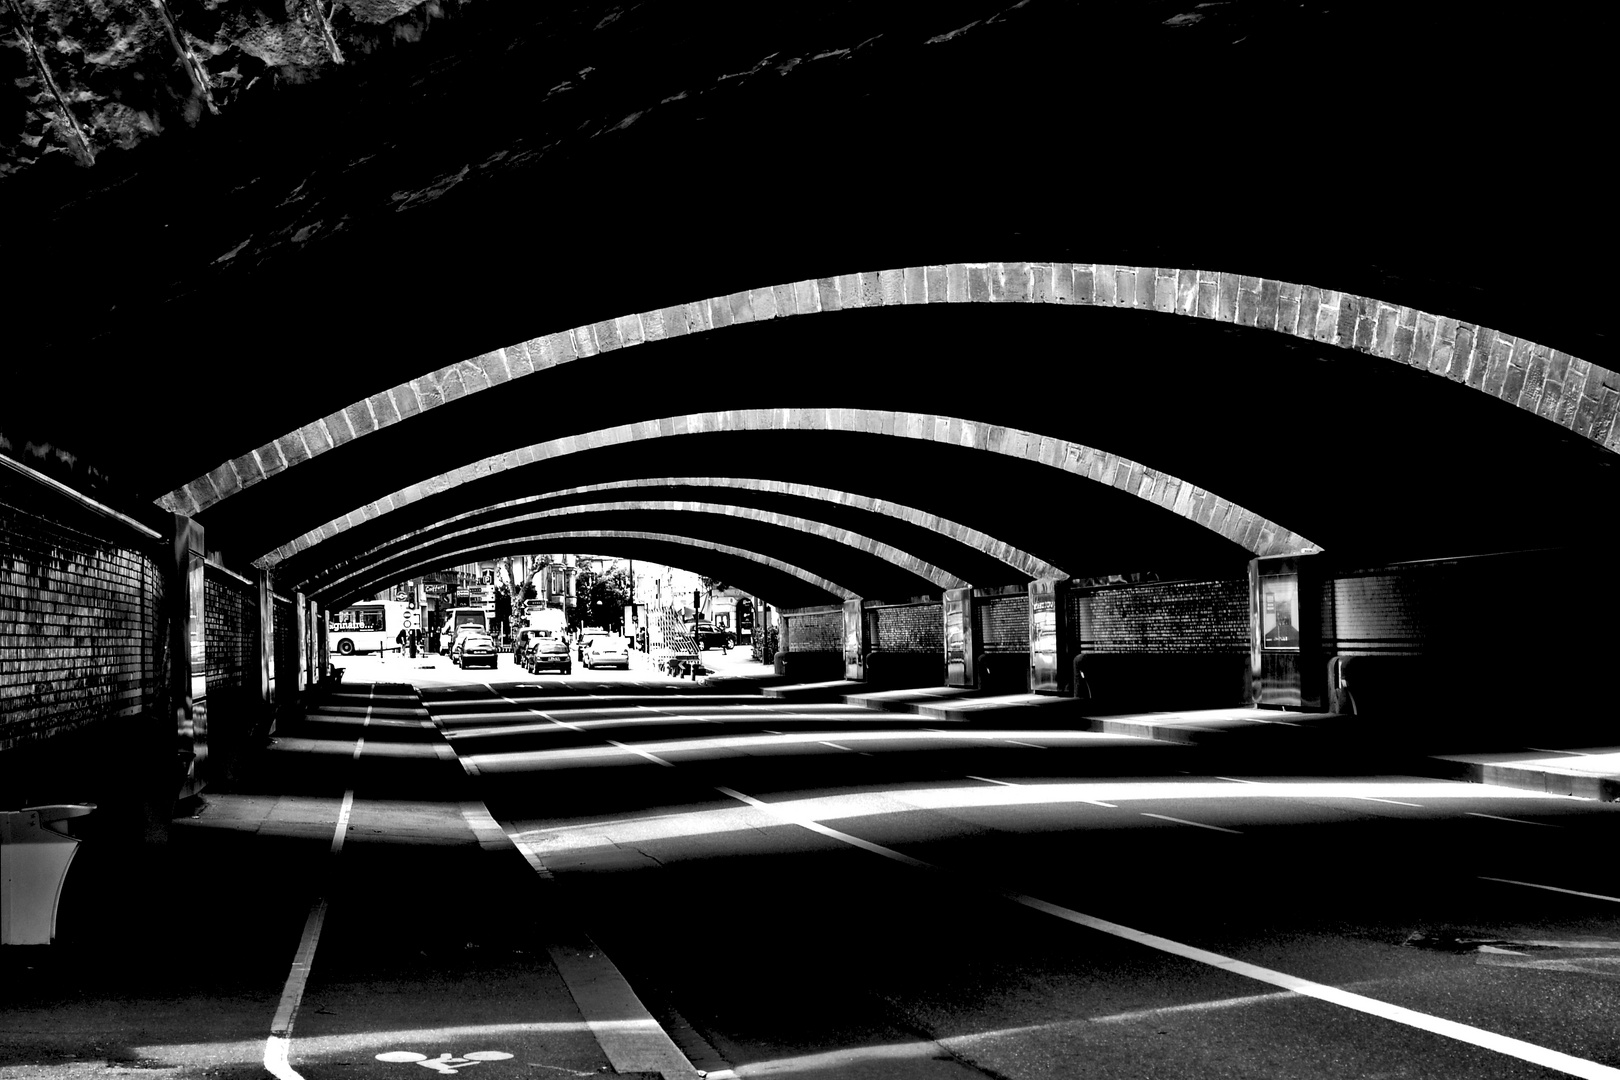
column 317, row 622
column 267, row 650
column 188, row 654
column 959, row 635
column 1051, row 660
column 854, row 639
column 784, row 639
column 301, row 642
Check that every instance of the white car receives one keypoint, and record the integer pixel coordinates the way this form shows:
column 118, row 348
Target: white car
column 607, row 650
column 586, row 636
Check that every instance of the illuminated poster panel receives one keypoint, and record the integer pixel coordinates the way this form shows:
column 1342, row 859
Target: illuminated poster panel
column 958, row 637
column 854, row 645
column 1043, row 635
column 1279, row 611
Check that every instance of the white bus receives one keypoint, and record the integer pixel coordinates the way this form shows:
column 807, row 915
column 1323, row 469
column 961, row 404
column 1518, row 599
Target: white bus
column 366, row 627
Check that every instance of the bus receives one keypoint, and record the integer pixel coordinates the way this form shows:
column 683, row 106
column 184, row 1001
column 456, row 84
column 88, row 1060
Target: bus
column 366, row 627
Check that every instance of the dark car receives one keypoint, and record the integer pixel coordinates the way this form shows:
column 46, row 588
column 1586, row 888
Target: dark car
column 709, row 636
column 547, row 653
column 474, row 647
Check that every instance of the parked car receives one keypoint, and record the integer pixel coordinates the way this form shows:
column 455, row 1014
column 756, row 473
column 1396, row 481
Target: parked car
column 547, row 652
column 608, row 650
column 474, row 646
column 709, row 636
column 586, row 636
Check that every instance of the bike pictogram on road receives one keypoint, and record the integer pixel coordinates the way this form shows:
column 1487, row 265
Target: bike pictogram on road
column 444, row 1063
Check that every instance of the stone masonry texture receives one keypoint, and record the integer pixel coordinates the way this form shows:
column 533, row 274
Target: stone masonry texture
column 76, row 616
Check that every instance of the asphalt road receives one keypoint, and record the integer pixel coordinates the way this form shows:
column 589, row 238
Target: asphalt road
column 817, row 890
column 808, row 890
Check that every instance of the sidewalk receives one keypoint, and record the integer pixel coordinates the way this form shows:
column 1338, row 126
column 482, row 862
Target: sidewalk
column 176, row 958
column 1269, row 737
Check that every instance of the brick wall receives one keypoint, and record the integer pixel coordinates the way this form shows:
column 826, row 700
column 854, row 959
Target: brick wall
column 76, row 615
column 232, row 612
column 1002, row 622
column 1184, row 617
column 1492, row 605
column 816, row 631
column 284, row 662
column 910, row 628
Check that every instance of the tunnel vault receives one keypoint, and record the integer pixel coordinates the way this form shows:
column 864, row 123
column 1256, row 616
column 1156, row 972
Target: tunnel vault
column 1241, row 528
column 1449, row 357
column 1562, row 389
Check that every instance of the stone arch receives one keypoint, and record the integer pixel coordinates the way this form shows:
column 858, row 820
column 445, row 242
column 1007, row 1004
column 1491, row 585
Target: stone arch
column 1573, row 393
column 940, row 579
column 1254, row 533
column 1020, row 560
column 359, row 582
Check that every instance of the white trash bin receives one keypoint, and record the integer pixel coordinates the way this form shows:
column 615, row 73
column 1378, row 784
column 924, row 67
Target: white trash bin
column 35, row 852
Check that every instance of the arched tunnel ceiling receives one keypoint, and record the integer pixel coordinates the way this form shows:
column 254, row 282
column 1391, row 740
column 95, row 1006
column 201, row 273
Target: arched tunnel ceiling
column 969, row 553
column 516, row 174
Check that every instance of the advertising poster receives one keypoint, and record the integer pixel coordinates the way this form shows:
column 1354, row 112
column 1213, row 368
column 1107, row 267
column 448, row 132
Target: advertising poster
column 1043, row 635
column 957, row 671
column 854, row 631
column 1279, row 611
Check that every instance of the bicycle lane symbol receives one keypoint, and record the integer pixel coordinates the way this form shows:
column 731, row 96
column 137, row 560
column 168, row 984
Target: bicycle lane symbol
column 444, row 1063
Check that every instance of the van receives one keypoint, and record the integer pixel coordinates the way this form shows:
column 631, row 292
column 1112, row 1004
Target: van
column 458, row 619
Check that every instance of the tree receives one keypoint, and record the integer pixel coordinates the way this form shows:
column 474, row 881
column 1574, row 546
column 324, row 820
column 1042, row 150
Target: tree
column 711, row 585
column 602, row 598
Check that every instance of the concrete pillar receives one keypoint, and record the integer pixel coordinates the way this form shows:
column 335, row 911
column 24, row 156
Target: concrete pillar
column 784, row 639
column 317, row 622
column 959, row 638
column 855, row 638
column 301, row 642
column 1051, row 654
column 188, row 653
column 267, row 649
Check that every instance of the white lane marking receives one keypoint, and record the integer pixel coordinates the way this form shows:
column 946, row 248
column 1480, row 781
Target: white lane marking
column 835, row 746
column 1197, row 1006
column 1488, row 1040
column 530, row 708
column 1365, row 798
column 275, row 1059
column 1031, row 745
column 1196, row 824
column 1514, row 820
column 1009, row 783
column 629, row 1036
column 1574, row 753
column 278, row 1046
column 1552, row 888
column 642, row 753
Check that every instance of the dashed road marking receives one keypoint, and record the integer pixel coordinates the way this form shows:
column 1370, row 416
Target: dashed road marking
column 1451, row 1029
column 642, row 753
column 1552, row 888
column 1195, row 824
column 1514, row 820
column 278, row 1046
